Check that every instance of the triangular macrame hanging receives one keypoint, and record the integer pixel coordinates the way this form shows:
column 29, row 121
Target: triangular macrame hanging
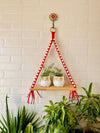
column 72, row 93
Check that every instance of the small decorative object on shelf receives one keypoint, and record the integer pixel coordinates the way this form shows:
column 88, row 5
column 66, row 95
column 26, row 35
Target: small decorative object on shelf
column 58, row 78
column 45, row 76
column 45, row 81
column 73, row 94
column 58, row 81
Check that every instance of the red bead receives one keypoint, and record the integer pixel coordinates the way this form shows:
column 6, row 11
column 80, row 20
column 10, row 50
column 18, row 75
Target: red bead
column 57, row 48
column 43, row 62
column 58, row 52
column 37, row 75
column 35, row 78
column 74, row 86
column 38, row 72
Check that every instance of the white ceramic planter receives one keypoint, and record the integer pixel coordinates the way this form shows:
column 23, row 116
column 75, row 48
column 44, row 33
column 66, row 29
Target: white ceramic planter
column 58, row 81
column 45, row 81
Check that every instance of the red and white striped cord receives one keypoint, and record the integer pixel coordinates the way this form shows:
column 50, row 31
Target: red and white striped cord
column 65, row 67
column 72, row 94
column 43, row 61
column 31, row 93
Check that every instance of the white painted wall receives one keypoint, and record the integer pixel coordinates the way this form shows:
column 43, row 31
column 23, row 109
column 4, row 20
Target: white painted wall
column 25, row 35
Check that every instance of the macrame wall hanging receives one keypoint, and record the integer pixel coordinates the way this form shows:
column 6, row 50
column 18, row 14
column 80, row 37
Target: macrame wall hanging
column 73, row 90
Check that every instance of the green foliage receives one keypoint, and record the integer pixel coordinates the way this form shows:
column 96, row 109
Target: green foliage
column 89, row 105
column 18, row 124
column 29, row 128
column 47, row 70
column 57, row 72
column 59, row 117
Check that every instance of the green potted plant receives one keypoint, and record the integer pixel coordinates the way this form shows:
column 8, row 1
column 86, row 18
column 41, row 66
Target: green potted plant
column 45, row 76
column 18, row 124
column 58, row 79
column 89, row 107
column 59, row 117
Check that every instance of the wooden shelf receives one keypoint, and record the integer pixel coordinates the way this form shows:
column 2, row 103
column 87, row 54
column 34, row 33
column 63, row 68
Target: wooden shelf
column 53, row 88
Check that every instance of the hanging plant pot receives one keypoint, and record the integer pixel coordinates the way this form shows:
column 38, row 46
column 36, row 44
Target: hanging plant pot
column 58, row 81
column 45, row 81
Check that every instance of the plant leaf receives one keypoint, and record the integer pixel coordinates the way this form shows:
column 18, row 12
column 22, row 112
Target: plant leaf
column 90, row 89
column 8, row 115
column 85, row 90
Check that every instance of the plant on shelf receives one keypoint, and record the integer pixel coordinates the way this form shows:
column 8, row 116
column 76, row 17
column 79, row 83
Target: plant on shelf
column 57, row 72
column 18, row 124
column 47, row 70
column 59, row 117
column 89, row 106
column 58, row 79
column 45, row 76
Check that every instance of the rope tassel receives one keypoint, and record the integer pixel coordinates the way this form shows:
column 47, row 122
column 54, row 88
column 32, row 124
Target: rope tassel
column 31, row 96
column 73, row 95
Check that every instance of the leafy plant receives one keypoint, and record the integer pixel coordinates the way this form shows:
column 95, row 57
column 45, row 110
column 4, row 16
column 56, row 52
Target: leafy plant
column 18, row 124
column 29, row 128
column 57, row 72
column 59, row 117
column 89, row 105
column 47, row 70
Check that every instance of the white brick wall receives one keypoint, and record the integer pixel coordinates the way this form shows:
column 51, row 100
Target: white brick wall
column 25, row 35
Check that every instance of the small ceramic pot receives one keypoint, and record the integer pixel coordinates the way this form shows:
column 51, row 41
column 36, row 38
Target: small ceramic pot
column 58, row 81
column 45, row 81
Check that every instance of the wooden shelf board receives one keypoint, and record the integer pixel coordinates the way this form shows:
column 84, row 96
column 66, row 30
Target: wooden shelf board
column 53, row 88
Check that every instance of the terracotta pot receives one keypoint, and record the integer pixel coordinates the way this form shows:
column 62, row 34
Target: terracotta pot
column 58, row 81
column 45, row 81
